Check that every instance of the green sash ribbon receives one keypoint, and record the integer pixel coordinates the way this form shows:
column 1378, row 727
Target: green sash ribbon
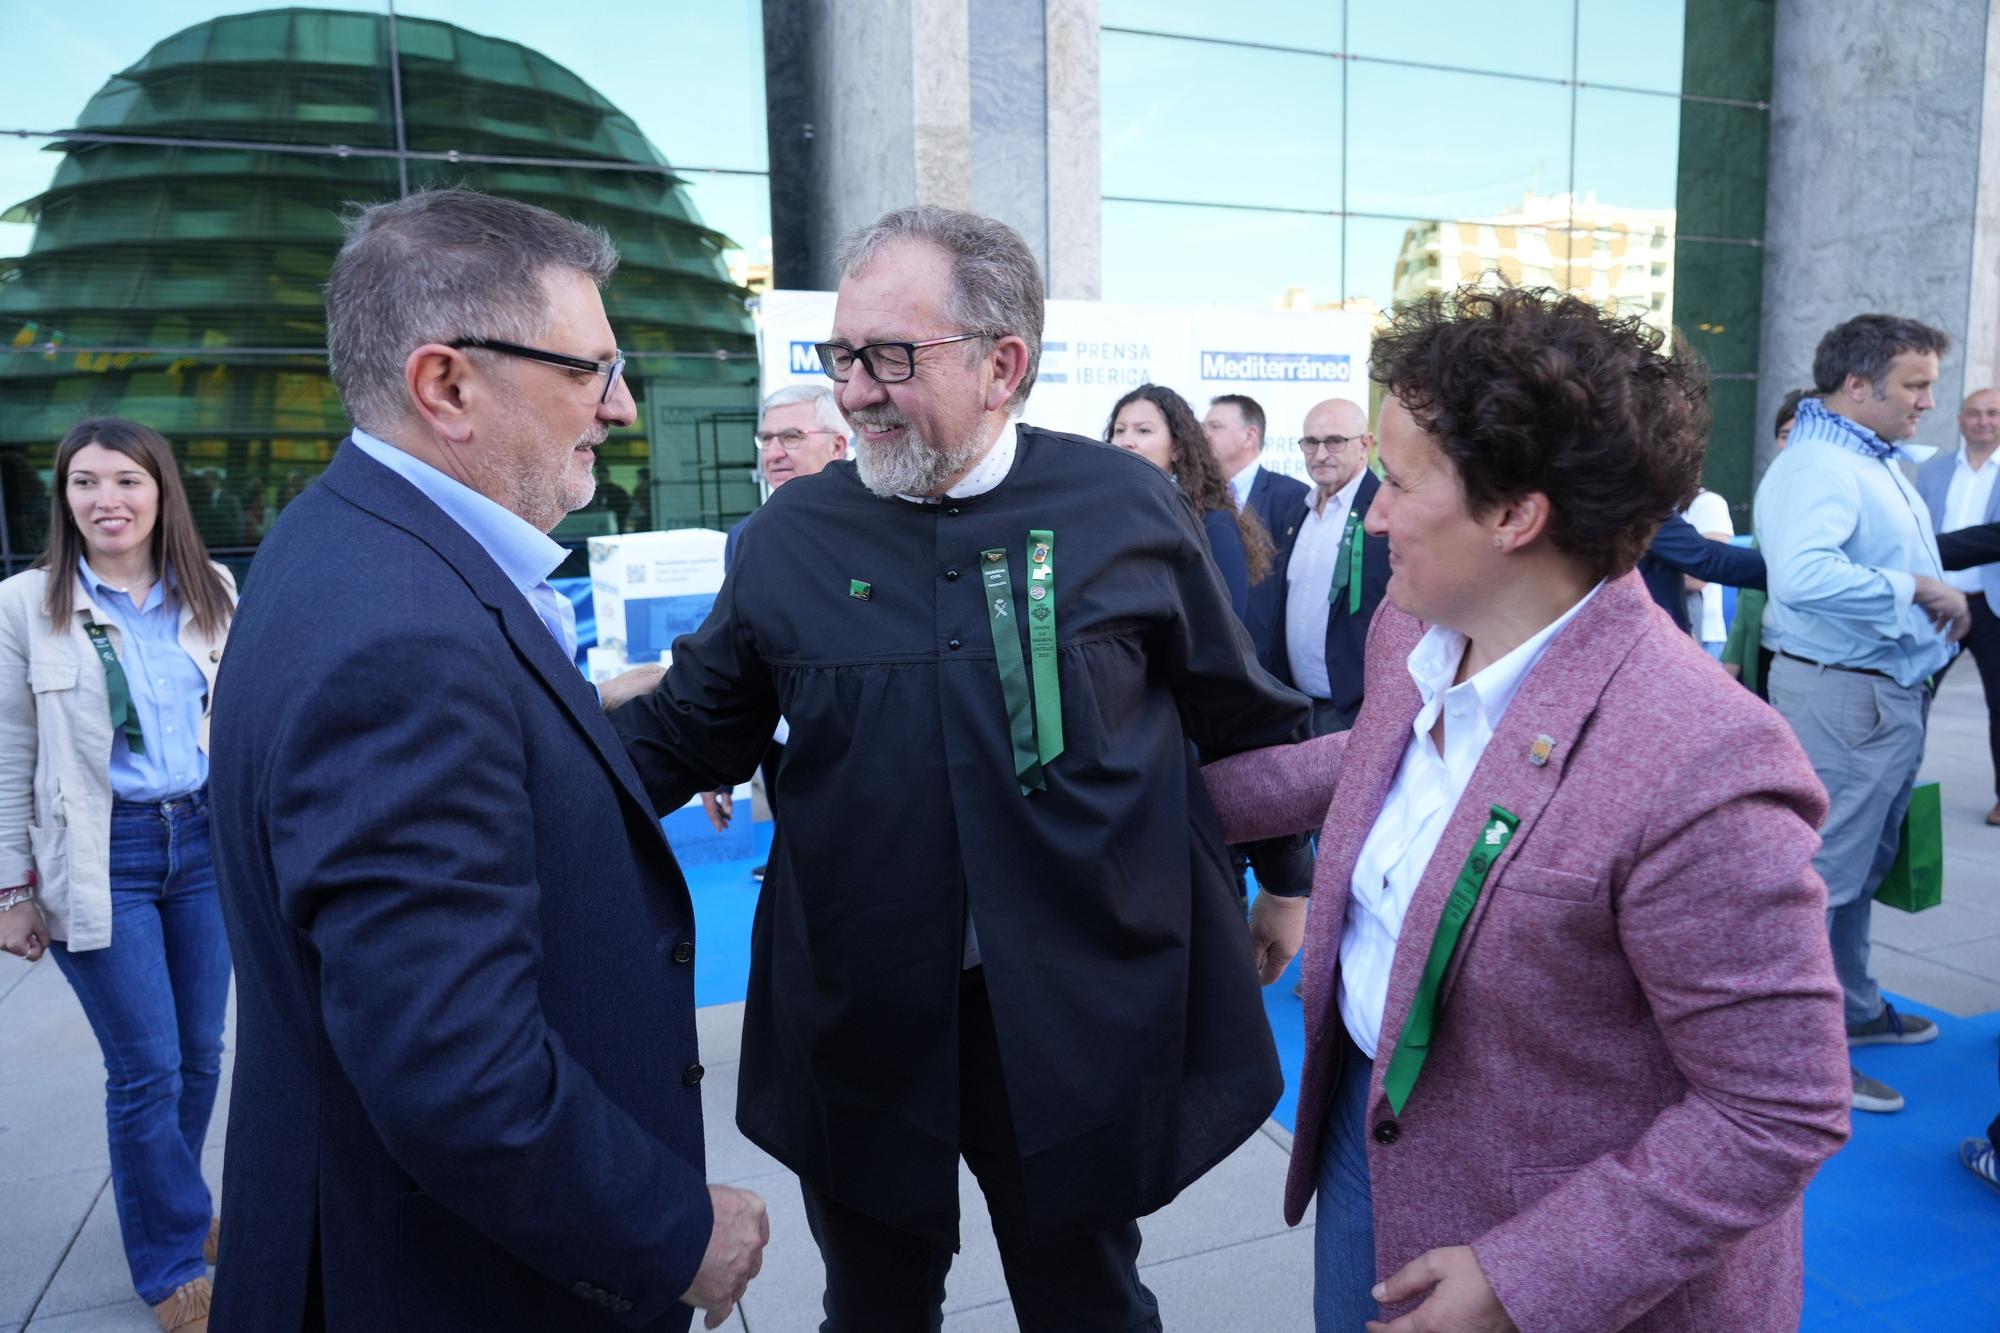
column 1415, row 1042
column 1347, row 567
column 1034, row 721
column 124, row 717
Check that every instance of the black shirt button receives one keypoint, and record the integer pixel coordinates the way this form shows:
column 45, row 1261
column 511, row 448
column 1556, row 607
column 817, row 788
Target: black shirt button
column 956, row 645
column 951, row 573
column 1387, row 1131
column 692, row 1075
column 684, row 952
column 951, row 511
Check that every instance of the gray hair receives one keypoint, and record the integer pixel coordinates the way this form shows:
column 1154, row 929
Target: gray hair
column 436, row 266
column 825, row 410
column 996, row 286
column 1866, row 344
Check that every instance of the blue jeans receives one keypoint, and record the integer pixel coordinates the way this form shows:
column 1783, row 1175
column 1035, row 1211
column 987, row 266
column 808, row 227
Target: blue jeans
column 1344, row 1230
column 155, row 998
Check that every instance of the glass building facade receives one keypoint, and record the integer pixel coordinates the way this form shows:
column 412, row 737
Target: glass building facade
column 166, row 238
column 1315, row 153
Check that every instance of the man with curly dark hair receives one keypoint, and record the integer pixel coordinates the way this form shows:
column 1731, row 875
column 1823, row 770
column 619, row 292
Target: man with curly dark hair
column 1573, row 1042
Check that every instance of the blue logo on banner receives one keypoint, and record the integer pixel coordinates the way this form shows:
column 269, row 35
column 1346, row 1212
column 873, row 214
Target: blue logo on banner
column 1287, row 367
column 805, row 361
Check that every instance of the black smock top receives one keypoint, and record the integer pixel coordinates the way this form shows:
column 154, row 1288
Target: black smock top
column 1132, row 1034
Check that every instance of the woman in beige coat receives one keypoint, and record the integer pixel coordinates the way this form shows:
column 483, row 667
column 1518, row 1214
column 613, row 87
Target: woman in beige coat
column 108, row 652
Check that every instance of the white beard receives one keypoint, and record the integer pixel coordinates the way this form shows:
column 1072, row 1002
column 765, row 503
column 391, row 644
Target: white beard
column 911, row 466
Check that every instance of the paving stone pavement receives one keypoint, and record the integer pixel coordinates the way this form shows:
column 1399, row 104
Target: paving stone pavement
column 1218, row 1258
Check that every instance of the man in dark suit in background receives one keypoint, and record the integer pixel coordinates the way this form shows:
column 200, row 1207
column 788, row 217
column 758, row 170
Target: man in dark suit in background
column 1335, row 571
column 466, row 1080
column 1235, row 429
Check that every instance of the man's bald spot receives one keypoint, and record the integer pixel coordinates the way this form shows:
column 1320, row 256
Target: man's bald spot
column 1337, row 416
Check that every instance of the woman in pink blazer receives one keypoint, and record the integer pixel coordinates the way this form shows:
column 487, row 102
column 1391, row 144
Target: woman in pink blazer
column 1574, row 1043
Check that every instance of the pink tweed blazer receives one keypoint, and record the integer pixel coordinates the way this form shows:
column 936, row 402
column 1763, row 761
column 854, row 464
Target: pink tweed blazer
column 1639, row 1060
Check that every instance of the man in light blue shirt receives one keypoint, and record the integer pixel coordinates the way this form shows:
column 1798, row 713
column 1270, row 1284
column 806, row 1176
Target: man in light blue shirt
column 1860, row 617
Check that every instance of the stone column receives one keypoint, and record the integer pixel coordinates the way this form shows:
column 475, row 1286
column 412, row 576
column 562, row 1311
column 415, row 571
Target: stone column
column 1884, row 187
column 989, row 105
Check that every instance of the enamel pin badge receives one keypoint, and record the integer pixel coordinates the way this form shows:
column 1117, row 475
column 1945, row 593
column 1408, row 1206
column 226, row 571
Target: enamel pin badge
column 1539, row 752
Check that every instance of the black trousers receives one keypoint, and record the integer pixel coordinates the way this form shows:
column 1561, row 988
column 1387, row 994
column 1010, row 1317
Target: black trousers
column 881, row 1279
column 1983, row 642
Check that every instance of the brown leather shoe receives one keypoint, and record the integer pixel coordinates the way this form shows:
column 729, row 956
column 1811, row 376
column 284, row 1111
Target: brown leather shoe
column 214, row 1239
column 186, row 1311
column 1993, row 816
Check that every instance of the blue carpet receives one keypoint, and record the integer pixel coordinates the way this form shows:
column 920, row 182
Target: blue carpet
column 1899, row 1236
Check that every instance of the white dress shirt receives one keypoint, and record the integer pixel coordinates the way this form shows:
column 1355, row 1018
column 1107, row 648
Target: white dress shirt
column 1427, row 789
column 1708, row 513
column 1240, row 484
column 1964, row 505
column 1308, row 577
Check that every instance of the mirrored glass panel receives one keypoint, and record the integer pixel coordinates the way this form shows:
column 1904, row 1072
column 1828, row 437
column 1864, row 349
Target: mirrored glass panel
column 1177, row 253
column 1434, row 144
column 1310, row 24
column 1627, row 153
column 204, row 69
column 1219, row 124
column 1522, row 37
column 623, row 79
column 1632, row 43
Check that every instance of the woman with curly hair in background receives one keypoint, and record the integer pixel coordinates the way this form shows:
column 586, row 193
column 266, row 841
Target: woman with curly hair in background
column 1157, row 424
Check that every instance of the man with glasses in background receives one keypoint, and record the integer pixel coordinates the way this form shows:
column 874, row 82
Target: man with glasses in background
column 799, row 431
column 998, row 923
column 1335, row 572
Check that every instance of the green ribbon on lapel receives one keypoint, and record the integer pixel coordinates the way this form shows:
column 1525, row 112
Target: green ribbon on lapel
column 1347, row 567
column 124, row 716
column 1042, row 644
column 999, row 593
column 1415, row 1042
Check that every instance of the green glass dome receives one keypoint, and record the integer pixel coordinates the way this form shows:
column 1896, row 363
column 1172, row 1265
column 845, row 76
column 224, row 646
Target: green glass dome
column 219, row 252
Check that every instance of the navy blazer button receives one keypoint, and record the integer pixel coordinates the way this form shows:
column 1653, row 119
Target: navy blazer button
column 684, row 952
column 1387, row 1131
column 692, row 1075
column 955, row 645
column 951, row 573
column 952, row 511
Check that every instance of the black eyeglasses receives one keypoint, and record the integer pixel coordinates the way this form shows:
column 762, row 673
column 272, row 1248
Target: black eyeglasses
column 886, row 363
column 1312, row 444
column 611, row 370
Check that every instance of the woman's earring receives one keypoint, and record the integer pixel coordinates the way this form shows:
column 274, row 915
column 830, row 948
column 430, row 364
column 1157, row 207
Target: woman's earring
column 1499, row 543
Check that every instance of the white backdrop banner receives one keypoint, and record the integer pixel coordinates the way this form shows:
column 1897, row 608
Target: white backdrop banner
column 1093, row 352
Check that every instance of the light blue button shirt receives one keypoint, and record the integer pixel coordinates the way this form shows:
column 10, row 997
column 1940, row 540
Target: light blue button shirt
column 526, row 555
column 1843, row 534
column 168, row 689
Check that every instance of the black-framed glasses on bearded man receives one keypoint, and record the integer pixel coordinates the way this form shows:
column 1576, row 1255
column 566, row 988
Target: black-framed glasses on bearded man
column 886, row 363
column 612, row 370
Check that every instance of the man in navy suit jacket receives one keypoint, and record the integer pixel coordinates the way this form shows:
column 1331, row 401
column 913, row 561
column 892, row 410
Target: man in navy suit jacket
column 1235, row 429
column 1335, row 571
column 466, row 1076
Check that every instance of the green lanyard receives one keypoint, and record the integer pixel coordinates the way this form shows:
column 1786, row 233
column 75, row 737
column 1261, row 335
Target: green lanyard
column 1415, row 1042
column 1034, row 722
column 124, row 717
column 1347, row 569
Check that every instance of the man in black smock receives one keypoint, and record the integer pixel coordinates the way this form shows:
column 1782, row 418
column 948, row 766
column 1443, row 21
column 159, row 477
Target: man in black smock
column 1053, row 981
